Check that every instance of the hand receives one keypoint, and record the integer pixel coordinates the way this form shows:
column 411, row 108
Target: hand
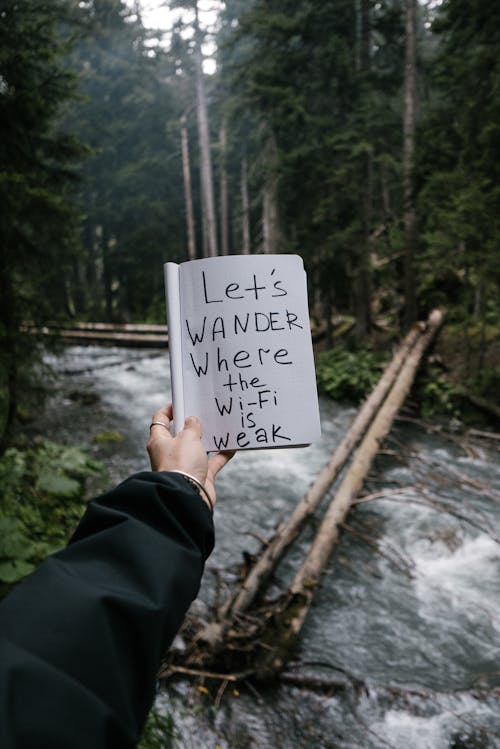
column 184, row 452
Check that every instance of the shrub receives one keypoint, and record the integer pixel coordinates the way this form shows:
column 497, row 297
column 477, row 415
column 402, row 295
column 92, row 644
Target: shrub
column 41, row 502
column 347, row 375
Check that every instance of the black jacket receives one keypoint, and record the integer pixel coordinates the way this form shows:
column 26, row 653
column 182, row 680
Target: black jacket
column 82, row 638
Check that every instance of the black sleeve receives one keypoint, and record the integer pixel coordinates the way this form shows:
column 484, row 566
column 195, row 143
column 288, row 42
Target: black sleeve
column 82, row 638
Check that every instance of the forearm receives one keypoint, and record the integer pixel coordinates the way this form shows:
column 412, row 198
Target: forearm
column 94, row 620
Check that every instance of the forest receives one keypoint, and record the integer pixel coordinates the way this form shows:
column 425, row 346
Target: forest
column 361, row 134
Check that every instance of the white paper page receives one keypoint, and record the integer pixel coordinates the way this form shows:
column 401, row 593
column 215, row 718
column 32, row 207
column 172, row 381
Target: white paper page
column 247, row 355
column 171, row 271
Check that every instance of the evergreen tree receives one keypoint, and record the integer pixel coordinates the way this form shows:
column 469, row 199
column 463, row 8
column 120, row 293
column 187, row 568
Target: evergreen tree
column 132, row 185
column 459, row 164
column 324, row 79
column 38, row 226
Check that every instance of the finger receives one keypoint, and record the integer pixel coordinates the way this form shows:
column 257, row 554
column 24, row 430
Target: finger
column 218, row 461
column 160, row 423
column 193, row 425
column 165, row 413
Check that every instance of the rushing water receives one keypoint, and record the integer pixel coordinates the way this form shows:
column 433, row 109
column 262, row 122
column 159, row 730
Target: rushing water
column 408, row 614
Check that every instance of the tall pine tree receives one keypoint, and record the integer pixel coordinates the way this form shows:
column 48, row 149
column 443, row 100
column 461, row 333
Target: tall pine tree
column 131, row 194
column 37, row 226
column 459, row 164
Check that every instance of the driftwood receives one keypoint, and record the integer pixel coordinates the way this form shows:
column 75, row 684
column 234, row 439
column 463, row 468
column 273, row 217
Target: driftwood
column 290, row 528
column 297, row 601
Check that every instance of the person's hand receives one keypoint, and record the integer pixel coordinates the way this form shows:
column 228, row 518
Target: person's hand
column 184, row 452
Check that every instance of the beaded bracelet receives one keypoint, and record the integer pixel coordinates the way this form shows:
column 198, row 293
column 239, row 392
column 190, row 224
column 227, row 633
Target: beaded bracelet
column 196, row 485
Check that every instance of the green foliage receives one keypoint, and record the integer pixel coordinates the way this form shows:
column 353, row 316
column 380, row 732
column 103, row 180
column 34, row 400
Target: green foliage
column 41, row 502
column 330, row 100
column 487, row 384
column 159, row 732
column 438, row 397
column 38, row 237
column 458, row 164
column 346, row 375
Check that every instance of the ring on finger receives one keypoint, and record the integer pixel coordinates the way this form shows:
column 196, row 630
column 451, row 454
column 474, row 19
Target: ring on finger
column 159, row 424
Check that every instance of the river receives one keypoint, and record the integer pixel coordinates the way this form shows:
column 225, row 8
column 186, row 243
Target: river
column 408, row 614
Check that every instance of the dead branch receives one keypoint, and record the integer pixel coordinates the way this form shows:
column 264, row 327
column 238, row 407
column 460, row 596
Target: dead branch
column 398, row 560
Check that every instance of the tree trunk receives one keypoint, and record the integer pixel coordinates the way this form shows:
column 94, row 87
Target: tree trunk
column 9, row 335
column 224, row 214
column 290, row 528
column 301, row 592
column 106, row 276
column 271, row 232
column 409, row 120
column 188, row 193
column 208, row 203
column 362, row 34
column 362, row 279
column 245, row 208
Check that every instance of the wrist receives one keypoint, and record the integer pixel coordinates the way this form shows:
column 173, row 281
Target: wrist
column 197, row 486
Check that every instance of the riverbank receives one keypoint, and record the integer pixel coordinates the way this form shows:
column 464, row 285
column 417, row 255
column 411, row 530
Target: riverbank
column 458, row 382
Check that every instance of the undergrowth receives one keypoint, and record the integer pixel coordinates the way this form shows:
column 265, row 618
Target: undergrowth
column 159, row 732
column 41, row 501
column 348, row 375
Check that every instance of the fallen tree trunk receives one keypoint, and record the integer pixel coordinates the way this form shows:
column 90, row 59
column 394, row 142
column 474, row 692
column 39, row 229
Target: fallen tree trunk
column 290, row 528
column 482, row 404
column 298, row 599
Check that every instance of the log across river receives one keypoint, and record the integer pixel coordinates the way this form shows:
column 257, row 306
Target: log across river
column 399, row 647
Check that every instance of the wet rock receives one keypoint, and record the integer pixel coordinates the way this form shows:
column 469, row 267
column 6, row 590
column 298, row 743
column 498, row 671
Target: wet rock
column 84, row 397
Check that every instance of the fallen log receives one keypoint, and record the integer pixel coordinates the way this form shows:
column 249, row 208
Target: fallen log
column 483, row 434
column 288, row 622
column 491, row 409
column 290, row 528
column 118, row 334
column 117, row 338
column 110, row 326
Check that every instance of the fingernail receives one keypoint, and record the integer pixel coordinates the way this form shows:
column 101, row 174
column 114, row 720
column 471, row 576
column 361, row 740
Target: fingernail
column 190, row 421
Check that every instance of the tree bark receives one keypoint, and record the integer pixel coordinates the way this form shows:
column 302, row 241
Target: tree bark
column 362, row 275
column 105, row 244
column 224, row 214
column 188, row 193
column 290, row 528
column 245, row 208
column 271, row 231
column 409, row 121
column 9, row 340
column 208, row 202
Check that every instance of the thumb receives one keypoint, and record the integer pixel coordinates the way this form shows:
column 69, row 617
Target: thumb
column 193, row 425
column 218, row 461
